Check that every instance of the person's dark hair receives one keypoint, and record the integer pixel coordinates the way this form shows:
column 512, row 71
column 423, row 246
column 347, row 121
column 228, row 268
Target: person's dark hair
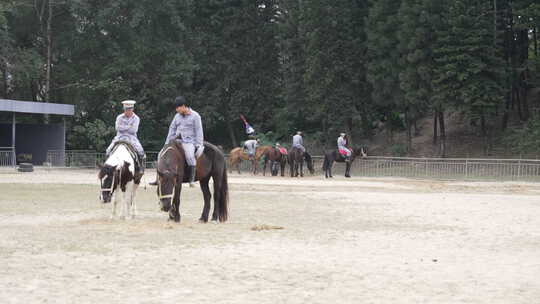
column 180, row 101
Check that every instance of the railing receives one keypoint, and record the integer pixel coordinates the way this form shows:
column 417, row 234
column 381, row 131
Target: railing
column 86, row 158
column 448, row 168
column 373, row 166
column 7, row 157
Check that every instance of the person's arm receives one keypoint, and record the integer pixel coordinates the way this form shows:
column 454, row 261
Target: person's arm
column 172, row 130
column 120, row 126
column 199, row 134
column 134, row 127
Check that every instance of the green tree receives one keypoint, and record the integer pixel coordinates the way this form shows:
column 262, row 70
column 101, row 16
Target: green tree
column 415, row 45
column 470, row 72
column 383, row 67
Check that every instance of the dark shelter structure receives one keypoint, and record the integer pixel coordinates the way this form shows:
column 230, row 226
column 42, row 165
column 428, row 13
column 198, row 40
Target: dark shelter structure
column 29, row 141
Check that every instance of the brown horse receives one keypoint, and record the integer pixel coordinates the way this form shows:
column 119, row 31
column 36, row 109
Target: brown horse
column 172, row 172
column 334, row 156
column 296, row 161
column 237, row 155
column 275, row 157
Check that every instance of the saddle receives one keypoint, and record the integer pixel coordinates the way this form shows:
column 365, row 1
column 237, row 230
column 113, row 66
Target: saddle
column 342, row 152
column 131, row 151
column 283, row 151
column 198, row 154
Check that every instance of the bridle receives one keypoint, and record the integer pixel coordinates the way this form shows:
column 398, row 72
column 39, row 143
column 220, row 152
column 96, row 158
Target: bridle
column 111, row 189
column 160, row 194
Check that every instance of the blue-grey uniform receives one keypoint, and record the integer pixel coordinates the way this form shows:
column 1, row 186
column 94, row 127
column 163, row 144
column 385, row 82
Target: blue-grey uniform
column 251, row 146
column 190, row 128
column 342, row 145
column 126, row 130
column 298, row 142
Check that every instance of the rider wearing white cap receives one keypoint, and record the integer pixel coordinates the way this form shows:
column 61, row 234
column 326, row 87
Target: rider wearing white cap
column 342, row 145
column 127, row 125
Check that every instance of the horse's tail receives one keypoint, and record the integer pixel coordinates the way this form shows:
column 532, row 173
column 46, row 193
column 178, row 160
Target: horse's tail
column 223, row 201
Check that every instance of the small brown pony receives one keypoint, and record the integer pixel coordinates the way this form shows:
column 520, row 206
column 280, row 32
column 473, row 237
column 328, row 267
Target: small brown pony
column 172, row 172
column 276, row 158
column 237, row 155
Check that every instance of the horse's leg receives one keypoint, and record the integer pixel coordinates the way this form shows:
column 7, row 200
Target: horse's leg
column 207, row 196
column 291, row 165
column 217, row 179
column 133, row 205
column 114, row 203
column 255, row 166
column 122, row 195
column 330, row 165
column 264, row 167
column 347, row 169
column 174, row 213
column 302, row 168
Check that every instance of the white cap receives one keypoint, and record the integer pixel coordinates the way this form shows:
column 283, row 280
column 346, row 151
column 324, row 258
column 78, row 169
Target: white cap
column 342, row 134
column 128, row 104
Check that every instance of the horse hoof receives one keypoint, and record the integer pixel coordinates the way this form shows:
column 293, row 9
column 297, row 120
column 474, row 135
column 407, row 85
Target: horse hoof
column 347, row 176
column 215, row 222
column 202, row 221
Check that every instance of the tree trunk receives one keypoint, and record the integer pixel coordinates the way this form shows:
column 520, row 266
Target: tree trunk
column 349, row 132
column 231, row 131
column 443, row 135
column 535, row 42
column 435, row 121
column 484, row 133
column 49, row 54
column 506, row 114
column 517, row 100
column 409, row 132
column 4, row 92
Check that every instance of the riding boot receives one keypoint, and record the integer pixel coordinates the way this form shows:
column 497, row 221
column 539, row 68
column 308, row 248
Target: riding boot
column 192, row 176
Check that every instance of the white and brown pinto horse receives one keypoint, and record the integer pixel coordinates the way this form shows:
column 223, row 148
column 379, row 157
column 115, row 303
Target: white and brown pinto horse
column 120, row 177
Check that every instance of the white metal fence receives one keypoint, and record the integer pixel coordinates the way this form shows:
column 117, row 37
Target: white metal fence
column 7, row 157
column 373, row 166
column 86, row 159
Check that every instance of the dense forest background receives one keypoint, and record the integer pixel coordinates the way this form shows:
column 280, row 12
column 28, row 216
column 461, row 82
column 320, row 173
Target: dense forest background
column 378, row 70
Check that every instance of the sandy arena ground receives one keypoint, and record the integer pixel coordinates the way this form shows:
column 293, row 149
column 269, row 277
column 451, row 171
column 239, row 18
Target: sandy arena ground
column 341, row 241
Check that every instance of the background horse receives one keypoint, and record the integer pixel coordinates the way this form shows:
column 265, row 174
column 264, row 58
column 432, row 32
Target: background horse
column 237, row 155
column 334, row 156
column 275, row 157
column 172, row 172
column 121, row 170
column 296, row 161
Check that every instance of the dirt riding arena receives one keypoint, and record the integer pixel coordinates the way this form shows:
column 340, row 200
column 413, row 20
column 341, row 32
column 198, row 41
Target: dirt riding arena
column 287, row 241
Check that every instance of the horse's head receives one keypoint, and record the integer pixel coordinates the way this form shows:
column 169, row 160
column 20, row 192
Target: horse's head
column 360, row 151
column 108, row 180
column 309, row 162
column 167, row 175
column 165, row 188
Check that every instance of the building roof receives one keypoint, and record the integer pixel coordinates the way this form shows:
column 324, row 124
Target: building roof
column 7, row 105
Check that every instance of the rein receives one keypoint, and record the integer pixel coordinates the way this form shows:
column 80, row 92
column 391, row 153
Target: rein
column 161, row 195
column 111, row 189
